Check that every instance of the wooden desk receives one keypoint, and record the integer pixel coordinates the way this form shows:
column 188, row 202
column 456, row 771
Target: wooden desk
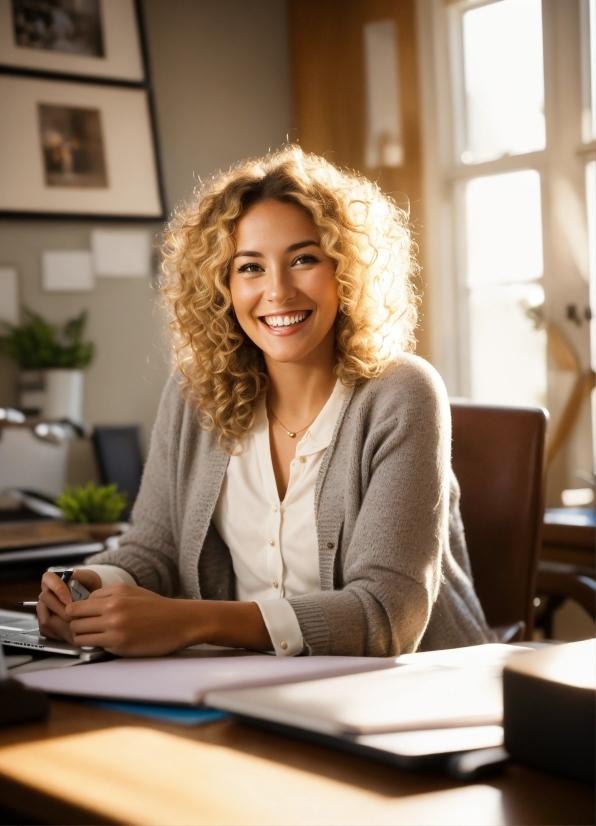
column 567, row 568
column 569, row 537
column 89, row 765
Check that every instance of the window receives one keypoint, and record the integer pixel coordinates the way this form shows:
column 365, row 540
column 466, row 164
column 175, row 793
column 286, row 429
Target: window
column 509, row 91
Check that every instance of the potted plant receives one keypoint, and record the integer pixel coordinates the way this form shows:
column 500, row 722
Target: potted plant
column 51, row 359
column 98, row 508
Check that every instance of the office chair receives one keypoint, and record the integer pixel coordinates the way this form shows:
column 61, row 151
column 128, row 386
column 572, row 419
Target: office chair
column 498, row 458
column 119, row 459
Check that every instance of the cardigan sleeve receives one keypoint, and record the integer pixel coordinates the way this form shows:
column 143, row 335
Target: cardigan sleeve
column 387, row 483
column 148, row 551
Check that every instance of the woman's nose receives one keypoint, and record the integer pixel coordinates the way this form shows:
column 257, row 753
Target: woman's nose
column 279, row 286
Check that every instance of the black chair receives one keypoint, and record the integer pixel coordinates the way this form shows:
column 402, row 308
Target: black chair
column 119, row 459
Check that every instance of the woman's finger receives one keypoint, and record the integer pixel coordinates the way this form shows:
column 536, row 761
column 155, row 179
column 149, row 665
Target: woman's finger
column 90, row 579
column 55, row 585
column 56, row 629
column 91, row 641
column 88, row 625
column 43, row 612
column 87, row 608
column 53, row 604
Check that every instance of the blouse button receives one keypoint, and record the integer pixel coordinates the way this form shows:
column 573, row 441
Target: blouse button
column 275, row 509
column 283, row 644
column 303, row 459
column 275, row 584
column 331, row 544
column 272, row 541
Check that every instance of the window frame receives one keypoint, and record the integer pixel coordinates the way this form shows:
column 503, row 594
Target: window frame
column 561, row 164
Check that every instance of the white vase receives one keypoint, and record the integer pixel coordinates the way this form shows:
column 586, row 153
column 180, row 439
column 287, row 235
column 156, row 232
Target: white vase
column 54, row 394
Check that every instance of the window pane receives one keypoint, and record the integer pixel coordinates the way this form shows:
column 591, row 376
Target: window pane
column 504, row 80
column 592, row 72
column 384, row 145
column 591, row 200
column 508, row 352
column 504, row 228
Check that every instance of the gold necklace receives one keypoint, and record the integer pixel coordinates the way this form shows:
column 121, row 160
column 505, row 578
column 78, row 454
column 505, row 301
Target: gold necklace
column 291, row 433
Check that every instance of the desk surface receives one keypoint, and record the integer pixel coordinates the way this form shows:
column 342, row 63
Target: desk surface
column 90, row 765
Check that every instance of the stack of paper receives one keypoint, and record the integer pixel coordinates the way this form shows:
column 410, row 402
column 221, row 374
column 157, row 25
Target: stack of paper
column 420, row 704
column 185, row 679
column 443, row 689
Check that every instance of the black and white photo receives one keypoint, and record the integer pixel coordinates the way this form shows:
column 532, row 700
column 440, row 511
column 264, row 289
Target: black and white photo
column 70, row 26
column 97, row 39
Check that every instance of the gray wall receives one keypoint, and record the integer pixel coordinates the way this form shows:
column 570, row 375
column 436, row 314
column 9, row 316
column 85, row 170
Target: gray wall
column 222, row 92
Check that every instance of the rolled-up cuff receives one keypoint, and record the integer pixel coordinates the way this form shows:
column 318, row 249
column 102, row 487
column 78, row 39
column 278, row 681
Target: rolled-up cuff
column 283, row 626
column 111, row 574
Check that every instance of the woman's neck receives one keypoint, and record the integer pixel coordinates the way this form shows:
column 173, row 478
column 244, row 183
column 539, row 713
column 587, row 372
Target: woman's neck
column 298, row 392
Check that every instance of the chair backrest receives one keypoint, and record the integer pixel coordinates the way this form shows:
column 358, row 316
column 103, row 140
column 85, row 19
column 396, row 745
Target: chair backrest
column 498, row 458
column 119, row 459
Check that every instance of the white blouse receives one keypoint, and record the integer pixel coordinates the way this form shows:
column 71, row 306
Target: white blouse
column 273, row 543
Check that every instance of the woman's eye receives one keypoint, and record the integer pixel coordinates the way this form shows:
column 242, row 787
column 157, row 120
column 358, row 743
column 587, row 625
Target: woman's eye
column 251, row 267
column 307, row 258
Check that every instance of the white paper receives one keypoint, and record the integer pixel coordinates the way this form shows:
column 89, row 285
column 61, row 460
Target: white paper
column 432, row 690
column 9, row 295
column 45, row 664
column 67, row 270
column 14, row 660
column 121, row 253
column 435, row 741
column 187, row 677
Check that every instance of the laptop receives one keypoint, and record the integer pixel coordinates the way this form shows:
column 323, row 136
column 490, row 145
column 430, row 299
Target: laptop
column 22, row 631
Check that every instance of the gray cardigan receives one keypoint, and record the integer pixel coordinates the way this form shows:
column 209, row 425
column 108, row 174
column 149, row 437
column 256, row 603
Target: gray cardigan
column 394, row 569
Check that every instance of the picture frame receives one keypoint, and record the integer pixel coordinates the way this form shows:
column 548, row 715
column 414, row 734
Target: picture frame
column 71, row 149
column 96, row 39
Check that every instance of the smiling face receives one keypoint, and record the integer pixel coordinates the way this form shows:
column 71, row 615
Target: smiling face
column 283, row 285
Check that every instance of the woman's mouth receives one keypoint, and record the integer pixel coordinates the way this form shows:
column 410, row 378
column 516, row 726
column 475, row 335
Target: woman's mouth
column 284, row 323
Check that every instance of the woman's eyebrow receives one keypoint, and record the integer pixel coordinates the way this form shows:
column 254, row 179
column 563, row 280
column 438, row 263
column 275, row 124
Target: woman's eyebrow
column 249, row 253
column 292, row 248
column 300, row 244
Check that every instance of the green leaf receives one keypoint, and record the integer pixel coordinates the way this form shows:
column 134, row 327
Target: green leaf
column 91, row 504
column 37, row 345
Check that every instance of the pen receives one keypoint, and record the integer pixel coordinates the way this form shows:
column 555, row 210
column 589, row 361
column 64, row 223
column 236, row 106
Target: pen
column 64, row 574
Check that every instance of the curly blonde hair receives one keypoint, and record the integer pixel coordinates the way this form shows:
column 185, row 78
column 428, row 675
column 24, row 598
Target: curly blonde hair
column 362, row 230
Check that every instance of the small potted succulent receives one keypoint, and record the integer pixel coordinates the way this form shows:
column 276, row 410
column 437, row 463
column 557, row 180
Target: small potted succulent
column 98, row 508
column 51, row 359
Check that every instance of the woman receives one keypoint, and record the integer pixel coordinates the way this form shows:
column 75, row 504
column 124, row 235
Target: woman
column 298, row 493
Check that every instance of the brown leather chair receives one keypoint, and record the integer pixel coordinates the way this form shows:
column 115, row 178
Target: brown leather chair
column 498, row 458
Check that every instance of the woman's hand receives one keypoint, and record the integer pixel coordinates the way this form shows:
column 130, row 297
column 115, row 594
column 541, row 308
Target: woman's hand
column 132, row 622
column 54, row 597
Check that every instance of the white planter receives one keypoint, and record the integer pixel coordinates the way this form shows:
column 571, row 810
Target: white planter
column 54, row 394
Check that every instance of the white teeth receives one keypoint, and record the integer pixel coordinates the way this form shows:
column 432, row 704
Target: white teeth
column 284, row 321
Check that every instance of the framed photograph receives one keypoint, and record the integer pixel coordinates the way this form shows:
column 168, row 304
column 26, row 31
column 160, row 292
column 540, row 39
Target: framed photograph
column 73, row 149
column 91, row 38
